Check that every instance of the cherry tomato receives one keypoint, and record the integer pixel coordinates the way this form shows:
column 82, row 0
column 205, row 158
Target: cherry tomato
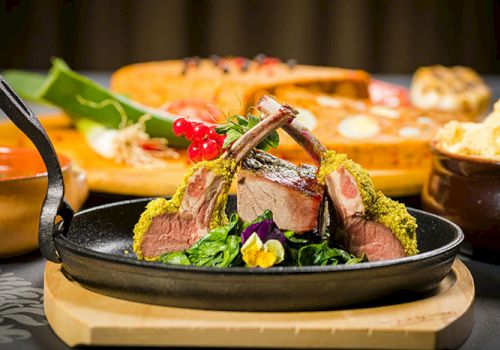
column 181, row 126
column 209, row 149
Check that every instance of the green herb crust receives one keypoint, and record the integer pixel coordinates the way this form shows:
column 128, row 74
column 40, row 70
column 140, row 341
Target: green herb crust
column 330, row 161
column 378, row 207
column 394, row 216
column 159, row 206
column 225, row 168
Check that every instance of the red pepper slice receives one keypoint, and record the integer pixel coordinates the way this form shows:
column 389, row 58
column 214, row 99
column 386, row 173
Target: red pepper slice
column 194, row 109
column 388, row 94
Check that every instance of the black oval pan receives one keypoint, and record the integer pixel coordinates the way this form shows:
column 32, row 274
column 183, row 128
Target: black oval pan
column 95, row 249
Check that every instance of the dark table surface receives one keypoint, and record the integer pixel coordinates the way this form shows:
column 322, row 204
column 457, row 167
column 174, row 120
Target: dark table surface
column 23, row 325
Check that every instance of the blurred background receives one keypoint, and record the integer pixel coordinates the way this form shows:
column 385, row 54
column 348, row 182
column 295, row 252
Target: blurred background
column 384, row 36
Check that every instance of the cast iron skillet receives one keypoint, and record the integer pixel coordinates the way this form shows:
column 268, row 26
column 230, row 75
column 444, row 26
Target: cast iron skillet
column 95, row 249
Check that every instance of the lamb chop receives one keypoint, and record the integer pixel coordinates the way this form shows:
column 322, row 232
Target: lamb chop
column 291, row 192
column 199, row 202
column 301, row 197
column 367, row 222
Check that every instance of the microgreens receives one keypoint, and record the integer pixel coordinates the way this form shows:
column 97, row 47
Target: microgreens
column 238, row 125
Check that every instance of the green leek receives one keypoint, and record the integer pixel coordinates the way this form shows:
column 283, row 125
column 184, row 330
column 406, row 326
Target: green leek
column 98, row 137
column 80, row 97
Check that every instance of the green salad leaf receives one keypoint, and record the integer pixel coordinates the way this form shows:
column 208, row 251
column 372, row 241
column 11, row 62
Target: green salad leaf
column 177, row 258
column 309, row 249
column 219, row 248
column 266, row 215
column 322, row 254
column 293, row 238
column 294, row 242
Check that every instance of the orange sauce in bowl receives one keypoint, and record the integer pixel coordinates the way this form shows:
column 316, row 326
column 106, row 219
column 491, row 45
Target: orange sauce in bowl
column 18, row 163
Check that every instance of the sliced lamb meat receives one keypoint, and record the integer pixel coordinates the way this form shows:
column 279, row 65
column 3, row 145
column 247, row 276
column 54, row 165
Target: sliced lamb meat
column 372, row 239
column 175, row 230
column 359, row 234
column 344, row 193
column 364, row 224
column 291, row 192
column 199, row 203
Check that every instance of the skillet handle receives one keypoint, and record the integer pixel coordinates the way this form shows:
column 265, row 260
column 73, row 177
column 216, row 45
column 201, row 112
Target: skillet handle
column 54, row 204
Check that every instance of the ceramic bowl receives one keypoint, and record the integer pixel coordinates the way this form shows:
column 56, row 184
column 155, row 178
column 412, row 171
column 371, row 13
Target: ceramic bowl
column 466, row 190
column 23, row 185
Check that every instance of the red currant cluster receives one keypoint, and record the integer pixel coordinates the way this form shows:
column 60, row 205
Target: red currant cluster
column 206, row 144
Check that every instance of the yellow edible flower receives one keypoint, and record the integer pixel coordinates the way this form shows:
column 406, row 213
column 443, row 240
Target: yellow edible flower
column 258, row 254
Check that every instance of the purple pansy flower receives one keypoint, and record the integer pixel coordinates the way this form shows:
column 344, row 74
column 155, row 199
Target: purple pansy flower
column 266, row 230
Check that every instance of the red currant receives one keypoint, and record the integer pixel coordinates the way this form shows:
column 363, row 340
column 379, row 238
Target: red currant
column 212, row 134
column 198, row 132
column 220, row 140
column 181, row 126
column 209, row 149
column 193, row 152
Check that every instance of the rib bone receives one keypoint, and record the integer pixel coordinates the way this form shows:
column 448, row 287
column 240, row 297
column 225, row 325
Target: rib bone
column 295, row 129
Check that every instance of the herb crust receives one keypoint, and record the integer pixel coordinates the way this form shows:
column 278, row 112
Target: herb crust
column 378, row 207
column 159, row 206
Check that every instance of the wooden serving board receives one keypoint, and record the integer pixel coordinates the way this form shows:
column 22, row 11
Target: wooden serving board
column 106, row 176
column 81, row 317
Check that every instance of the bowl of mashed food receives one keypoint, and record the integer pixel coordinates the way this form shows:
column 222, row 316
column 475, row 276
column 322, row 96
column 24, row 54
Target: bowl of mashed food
column 464, row 184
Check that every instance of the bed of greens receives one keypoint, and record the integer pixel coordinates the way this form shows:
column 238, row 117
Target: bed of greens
column 259, row 243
